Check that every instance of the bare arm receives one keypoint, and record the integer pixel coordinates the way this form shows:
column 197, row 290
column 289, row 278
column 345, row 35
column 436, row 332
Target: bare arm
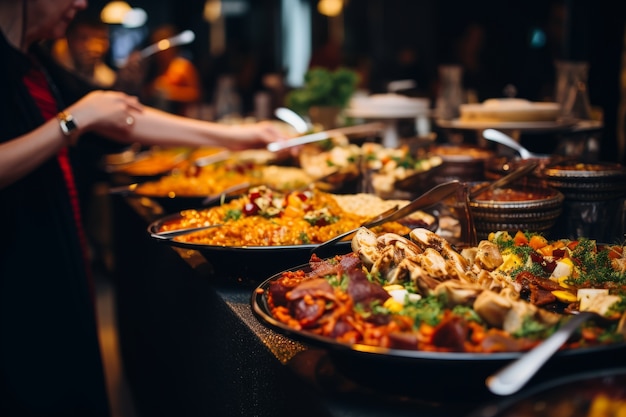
column 154, row 127
column 109, row 114
column 98, row 111
column 22, row 155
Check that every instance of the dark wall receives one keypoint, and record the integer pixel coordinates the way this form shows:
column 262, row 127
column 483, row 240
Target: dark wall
column 395, row 39
column 378, row 32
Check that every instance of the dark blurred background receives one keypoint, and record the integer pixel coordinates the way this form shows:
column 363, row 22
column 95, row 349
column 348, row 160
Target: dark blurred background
column 497, row 43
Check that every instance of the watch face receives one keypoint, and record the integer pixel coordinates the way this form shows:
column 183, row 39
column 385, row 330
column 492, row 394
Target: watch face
column 70, row 125
column 67, row 124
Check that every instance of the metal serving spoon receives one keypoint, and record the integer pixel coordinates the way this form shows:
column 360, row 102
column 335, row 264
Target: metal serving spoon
column 293, row 119
column 182, row 38
column 234, row 190
column 366, row 128
column 503, row 139
column 515, row 375
column 170, row 234
column 429, row 198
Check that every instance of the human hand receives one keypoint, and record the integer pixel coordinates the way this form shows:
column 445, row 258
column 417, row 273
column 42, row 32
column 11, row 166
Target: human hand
column 106, row 112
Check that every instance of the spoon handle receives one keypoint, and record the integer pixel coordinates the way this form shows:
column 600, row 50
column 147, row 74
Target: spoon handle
column 182, row 38
column 170, row 234
column 515, row 375
column 511, row 177
column 501, row 138
column 235, row 189
column 292, row 118
column 428, row 199
column 325, row 134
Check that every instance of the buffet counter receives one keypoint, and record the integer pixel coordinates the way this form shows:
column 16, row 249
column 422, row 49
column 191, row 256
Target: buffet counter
column 191, row 345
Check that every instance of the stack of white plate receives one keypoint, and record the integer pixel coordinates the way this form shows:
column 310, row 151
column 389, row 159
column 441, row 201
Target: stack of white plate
column 388, row 106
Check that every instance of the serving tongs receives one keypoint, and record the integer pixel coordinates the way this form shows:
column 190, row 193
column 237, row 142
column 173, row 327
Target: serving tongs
column 429, row 198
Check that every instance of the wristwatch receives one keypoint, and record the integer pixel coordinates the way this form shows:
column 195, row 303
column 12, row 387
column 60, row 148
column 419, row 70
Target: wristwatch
column 68, row 127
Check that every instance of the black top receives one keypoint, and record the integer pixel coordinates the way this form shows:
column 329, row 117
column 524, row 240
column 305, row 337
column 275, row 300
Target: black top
column 50, row 360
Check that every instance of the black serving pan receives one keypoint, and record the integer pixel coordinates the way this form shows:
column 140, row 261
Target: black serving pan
column 587, row 182
column 565, row 396
column 124, row 170
column 170, row 204
column 430, row 376
column 253, row 263
column 173, row 203
column 248, row 263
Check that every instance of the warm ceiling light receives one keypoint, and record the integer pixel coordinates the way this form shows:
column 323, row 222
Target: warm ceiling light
column 135, row 18
column 163, row 44
column 212, row 10
column 114, row 12
column 330, row 7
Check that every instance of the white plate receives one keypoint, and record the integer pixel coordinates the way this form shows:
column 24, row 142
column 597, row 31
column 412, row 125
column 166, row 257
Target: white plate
column 558, row 125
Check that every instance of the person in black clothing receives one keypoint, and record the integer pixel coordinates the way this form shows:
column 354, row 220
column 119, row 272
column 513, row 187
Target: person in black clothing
column 50, row 363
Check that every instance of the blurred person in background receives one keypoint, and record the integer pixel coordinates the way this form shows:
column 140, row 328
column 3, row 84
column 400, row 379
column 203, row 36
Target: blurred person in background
column 173, row 82
column 50, row 362
column 84, row 47
column 84, row 50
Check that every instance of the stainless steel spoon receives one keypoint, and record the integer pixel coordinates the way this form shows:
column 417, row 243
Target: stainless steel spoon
column 503, row 139
column 234, row 190
column 429, row 198
column 170, row 234
column 292, row 118
column 366, row 128
column 183, row 38
column 515, row 375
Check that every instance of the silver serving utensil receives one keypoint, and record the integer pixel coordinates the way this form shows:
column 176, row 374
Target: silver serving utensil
column 123, row 190
column 170, row 234
column 503, row 139
column 515, row 375
column 182, row 38
column 429, row 198
column 235, row 189
column 509, row 178
column 375, row 219
column 212, row 159
column 293, row 119
column 326, row 134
